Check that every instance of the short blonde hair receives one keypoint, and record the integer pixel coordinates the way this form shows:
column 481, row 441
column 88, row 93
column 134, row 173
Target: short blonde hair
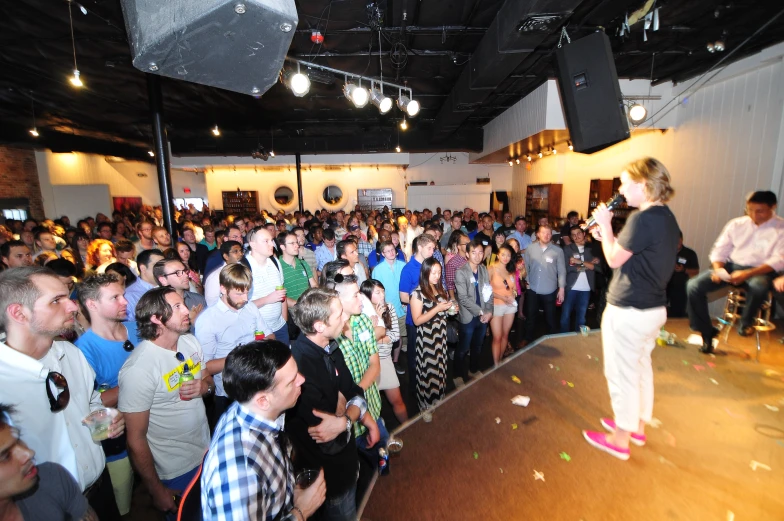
column 655, row 176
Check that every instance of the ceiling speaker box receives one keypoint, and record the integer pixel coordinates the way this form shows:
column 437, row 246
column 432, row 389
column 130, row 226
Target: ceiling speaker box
column 235, row 45
column 591, row 97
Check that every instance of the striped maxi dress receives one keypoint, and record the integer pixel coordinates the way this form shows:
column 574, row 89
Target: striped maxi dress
column 431, row 356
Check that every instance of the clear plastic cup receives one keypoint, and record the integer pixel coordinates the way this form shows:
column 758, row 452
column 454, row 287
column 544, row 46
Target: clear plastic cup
column 306, row 477
column 98, row 422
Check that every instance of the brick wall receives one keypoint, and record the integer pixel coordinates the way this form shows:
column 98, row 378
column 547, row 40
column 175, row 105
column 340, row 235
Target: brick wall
column 19, row 178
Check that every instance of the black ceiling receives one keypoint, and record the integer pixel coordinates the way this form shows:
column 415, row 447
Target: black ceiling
column 428, row 50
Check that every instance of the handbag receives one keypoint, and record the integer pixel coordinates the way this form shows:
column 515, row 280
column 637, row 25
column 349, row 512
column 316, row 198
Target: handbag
column 451, row 331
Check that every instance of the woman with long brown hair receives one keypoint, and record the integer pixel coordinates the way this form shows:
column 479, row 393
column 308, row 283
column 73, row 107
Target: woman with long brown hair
column 429, row 304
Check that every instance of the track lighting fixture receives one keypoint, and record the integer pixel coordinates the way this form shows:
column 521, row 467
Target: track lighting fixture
column 216, row 131
column 357, row 94
column 298, row 83
column 76, row 79
column 408, row 105
column 382, row 102
column 637, row 113
column 404, row 124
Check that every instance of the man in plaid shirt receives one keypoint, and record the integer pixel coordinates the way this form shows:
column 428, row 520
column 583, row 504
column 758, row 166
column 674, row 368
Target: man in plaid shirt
column 247, row 472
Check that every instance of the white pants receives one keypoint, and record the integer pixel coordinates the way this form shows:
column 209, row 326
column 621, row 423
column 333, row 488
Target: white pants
column 628, row 338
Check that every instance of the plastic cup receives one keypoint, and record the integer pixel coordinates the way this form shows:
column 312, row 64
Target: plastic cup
column 394, row 445
column 306, row 477
column 584, row 330
column 98, row 422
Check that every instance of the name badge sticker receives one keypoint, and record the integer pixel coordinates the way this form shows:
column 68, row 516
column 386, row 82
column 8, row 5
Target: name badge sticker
column 364, row 336
column 549, row 260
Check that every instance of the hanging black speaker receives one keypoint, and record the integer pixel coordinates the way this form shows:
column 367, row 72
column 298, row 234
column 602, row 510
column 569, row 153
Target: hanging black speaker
column 591, row 97
column 236, row 45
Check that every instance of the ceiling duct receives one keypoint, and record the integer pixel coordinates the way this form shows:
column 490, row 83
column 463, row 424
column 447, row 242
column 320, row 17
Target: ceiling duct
column 518, row 28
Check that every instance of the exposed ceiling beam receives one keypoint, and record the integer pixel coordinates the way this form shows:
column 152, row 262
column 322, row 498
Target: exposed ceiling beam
column 414, row 52
column 423, row 31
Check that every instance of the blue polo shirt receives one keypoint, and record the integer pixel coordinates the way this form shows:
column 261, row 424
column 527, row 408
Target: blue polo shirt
column 106, row 357
column 409, row 280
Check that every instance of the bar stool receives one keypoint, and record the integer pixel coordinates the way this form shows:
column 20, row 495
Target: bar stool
column 733, row 308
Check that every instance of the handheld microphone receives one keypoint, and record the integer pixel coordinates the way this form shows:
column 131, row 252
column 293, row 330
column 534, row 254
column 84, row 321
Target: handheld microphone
column 612, row 204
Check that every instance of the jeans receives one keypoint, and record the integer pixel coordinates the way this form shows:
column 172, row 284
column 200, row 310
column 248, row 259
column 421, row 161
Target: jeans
column 532, row 300
column 282, row 334
column 472, row 337
column 577, row 300
column 340, row 508
column 697, row 289
column 370, row 456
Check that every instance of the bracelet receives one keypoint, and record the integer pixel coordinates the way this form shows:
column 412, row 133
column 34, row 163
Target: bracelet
column 299, row 512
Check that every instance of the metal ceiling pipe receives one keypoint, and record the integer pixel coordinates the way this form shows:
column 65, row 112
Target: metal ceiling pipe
column 518, row 28
column 161, row 149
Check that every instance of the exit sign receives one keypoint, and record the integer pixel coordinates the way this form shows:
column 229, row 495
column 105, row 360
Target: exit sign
column 186, row 190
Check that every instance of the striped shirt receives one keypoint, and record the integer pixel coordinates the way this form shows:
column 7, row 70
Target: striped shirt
column 357, row 353
column 296, row 278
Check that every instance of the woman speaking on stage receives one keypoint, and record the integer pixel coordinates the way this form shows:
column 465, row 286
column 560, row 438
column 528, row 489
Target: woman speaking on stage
column 642, row 258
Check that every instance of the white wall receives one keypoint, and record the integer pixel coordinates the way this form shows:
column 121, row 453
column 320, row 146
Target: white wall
column 121, row 177
column 429, row 167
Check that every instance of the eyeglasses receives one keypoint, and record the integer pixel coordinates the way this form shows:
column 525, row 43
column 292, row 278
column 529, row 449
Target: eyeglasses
column 179, row 273
column 128, row 346
column 57, row 382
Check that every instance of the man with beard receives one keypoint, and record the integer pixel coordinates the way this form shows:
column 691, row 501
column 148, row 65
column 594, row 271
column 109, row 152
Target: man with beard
column 167, row 423
column 227, row 324
column 36, row 370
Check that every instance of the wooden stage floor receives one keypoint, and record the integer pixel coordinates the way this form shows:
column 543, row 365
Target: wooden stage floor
column 716, row 451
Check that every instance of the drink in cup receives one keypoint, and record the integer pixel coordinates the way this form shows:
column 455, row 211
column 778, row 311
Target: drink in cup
column 98, row 422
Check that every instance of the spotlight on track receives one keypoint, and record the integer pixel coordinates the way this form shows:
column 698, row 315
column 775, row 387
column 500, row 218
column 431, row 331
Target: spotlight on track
column 298, row 83
column 408, row 105
column 382, row 102
column 357, row 94
column 637, row 113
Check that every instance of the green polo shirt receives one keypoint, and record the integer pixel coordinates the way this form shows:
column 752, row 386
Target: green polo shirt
column 295, row 278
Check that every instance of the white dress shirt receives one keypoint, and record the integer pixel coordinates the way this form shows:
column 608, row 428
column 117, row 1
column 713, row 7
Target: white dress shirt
column 58, row 437
column 746, row 244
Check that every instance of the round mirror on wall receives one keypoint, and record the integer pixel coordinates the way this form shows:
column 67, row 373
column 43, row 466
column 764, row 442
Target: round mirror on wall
column 284, row 195
column 332, row 195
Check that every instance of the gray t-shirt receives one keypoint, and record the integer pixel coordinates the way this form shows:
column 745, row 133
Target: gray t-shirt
column 56, row 498
column 178, row 433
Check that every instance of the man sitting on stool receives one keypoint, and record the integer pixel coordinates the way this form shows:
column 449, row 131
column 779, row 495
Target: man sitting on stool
column 747, row 254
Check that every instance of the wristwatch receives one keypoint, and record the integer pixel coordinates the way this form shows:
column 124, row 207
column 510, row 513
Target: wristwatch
column 348, row 425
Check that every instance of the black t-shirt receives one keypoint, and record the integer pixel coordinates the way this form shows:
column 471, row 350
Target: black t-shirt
column 652, row 237
column 506, row 230
column 687, row 258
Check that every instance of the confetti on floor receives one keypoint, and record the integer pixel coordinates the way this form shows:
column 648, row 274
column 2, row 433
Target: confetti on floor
column 515, row 379
column 502, row 470
column 757, row 465
column 564, row 456
column 713, row 381
column 710, row 364
column 685, row 362
column 772, row 408
column 589, row 356
column 655, row 423
column 570, row 384
column 596, row 358
column 514, row 426
column 730, row 515
column 538, row 475
column 563, row 382
column 476, row 455
column 551, row 366
column 771, row 372
column 497, row 420
column 699, row 367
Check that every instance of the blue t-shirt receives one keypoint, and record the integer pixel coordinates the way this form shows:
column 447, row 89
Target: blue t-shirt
column 409, row 280
column 106, row 357
column 373, row 261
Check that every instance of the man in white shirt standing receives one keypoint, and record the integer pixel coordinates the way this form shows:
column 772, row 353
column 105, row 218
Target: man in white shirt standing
column 267, row 293
column 227, row 324
column 747, row 254
column 50, row 383
column 167, row 423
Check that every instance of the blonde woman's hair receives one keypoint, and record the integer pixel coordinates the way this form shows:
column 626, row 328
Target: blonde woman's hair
column 655, row 176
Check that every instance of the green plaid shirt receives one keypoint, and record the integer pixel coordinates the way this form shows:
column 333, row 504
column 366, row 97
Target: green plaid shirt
column 357, row 355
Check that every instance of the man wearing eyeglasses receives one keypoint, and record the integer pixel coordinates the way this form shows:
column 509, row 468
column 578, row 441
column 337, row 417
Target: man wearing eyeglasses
column 167, row 422
column 106, row 346
column 146, row 281
column 144, row 236
column 173, row 273
column 50, row 383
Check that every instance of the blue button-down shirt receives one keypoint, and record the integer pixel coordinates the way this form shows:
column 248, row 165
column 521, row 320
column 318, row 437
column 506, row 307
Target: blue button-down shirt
column 323, row 256
column 133, row 294
column 523, row 238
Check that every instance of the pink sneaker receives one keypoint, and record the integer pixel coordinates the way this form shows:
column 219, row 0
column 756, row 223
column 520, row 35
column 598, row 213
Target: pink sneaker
column 637, row 439
column 598, row 440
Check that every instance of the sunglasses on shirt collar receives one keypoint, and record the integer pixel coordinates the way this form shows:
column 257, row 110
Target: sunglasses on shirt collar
column 56, row 382
column 128, row 346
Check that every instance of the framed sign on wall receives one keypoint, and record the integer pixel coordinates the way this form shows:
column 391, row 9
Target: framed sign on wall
column 374, row 198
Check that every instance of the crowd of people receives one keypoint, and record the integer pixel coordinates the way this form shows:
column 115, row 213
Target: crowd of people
column 265, row 342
